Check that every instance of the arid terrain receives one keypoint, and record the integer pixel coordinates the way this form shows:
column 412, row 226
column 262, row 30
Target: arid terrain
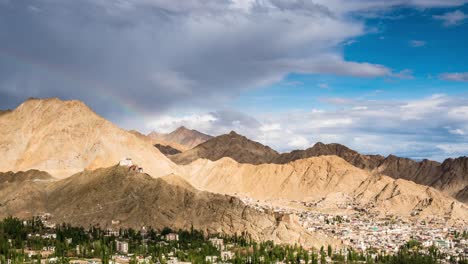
column 61, row 158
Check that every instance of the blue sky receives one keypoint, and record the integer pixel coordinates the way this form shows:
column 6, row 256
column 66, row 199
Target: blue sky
column 404, row 40
column 387, row 77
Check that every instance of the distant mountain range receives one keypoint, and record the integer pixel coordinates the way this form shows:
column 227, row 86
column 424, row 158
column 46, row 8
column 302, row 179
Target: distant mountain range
column 451, row 176
column 325, row 180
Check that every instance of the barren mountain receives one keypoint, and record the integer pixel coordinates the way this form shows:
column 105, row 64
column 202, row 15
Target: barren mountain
column 451, row 177
column 167, row 150
column 230, row 145
column 154, row 141
column 183, row 136
column 317, row 178
column 130, row 199
column 64, row 137
column 320, row 149
column 22, row 193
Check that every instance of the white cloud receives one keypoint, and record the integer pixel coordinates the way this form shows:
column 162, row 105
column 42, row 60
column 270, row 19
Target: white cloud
column 357, row 108
column 299, row 142
column 457, row 131
column 455, row 76
column 163, row 54
column 323, row 86
column 167, row 123
column 420, row 128
column 270, row 127
column 452, row 18
column 417, row 43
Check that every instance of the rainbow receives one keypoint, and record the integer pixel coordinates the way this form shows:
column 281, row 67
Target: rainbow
column 103, row 90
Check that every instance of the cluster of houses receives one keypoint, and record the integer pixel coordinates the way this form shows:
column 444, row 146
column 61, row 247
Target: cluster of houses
column 363, row 229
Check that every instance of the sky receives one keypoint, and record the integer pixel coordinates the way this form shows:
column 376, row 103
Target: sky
column 386, row 77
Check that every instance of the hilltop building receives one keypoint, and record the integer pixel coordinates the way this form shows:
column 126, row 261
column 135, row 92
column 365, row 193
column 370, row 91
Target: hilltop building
column 126, row 162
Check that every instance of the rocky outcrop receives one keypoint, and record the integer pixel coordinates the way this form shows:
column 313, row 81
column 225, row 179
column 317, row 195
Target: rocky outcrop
column 167, row 150
column 320, row 149
column 231, row 145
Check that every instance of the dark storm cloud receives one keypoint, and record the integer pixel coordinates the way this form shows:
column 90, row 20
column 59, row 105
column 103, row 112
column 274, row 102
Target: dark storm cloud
column 156, row 54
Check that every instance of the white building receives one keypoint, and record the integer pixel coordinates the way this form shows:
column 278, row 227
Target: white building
column 172, row 237
column 217, row 242
column 126, row 162
column 122, row 247
column 226, row 255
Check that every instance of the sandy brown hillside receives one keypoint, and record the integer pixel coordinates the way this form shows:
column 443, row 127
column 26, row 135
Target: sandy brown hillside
column 22, row 193
column 231, row 145
column 64, row 137
column 188, row 138
column 161, row 143
column 136, row 199
column 317, row 178
column 450, row 177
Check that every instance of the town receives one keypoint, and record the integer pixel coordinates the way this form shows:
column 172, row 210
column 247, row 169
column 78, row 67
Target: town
column 37, row 240
column 367, row 231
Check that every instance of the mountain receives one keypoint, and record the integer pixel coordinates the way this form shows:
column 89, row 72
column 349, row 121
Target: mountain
column 317, row 179
column 453, row 178
column 450, row 177
column 23, row 176
column 22, row 193
column 151, row 139
column 230, row 145
column 118, row 197
column 320, row 149
column 183, row 136
column 167, row 150
column 65, row 137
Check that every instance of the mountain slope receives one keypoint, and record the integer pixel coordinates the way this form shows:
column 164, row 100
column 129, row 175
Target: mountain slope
column 131, row 199
column 64, row 137
column 231, row 145
column 183, row 136
column 22, row 193
column 167, row 150
column 320, row 149
column 317, row 178
column 451, row 177
column 154, row 141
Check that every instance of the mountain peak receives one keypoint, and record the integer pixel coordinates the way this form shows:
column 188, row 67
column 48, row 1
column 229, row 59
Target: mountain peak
column 182, row 128
column 182, row 136
column 62, row 137
column 230, row 145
